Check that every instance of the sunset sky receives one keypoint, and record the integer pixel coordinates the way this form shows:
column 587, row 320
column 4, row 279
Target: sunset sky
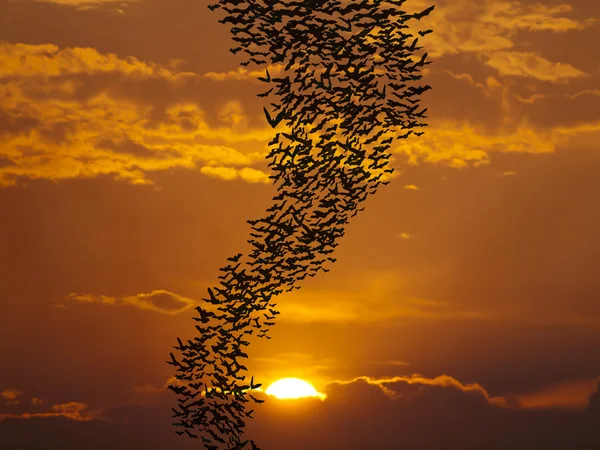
column 463, row 311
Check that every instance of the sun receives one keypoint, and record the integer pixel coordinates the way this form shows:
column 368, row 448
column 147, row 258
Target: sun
column 290, row 388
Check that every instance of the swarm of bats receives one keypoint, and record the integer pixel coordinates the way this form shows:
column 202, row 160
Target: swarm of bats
column 345, row 92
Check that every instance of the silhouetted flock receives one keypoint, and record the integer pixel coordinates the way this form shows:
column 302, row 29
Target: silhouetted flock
column 343, row 106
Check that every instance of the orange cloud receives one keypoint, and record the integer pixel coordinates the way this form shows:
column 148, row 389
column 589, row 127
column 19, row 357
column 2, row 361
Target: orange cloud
column 568, row 395
column 54, row 132
column 241, row 73
column 459, row 27
column 11, row 396
column 66, row 135
column 84, row 5
column 387, row 386
column 488, row 31
column 160, row 301
column 48, row 60
column 411, row 187
column 461, row 144
column 532, row 65
column 407, row 388
column 73, row 410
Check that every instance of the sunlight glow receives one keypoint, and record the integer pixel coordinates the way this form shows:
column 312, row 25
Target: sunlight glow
column 290, row 388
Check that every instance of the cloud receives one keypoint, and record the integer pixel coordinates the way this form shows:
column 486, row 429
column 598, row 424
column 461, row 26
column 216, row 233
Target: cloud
column 428, row 413
column 594, row 400
column 230, row 173
column 80, row 2
column 241, row 73
column 460, row 144
column 149, row 389
column 415, row 412
column 532, row 65
column 508, row 173
column 592, row 92
column 80, row 113
column 11, row 396
column 396, row 387
column 408, row 389
column 489, row 26
column 77, row 113
column 488, row 30
column 160, row 301
column 535, row 17
column 83, row 5
column 48, row 60
column 72, row 410
column 569, row 395
column 253, row 175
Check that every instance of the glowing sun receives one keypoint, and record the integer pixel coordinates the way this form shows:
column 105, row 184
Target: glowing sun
column 287, row 388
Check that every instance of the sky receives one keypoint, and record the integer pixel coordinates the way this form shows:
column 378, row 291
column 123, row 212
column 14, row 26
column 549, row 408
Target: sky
column 463, row 310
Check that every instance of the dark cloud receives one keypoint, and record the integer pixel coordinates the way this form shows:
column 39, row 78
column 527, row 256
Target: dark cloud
column 358, row 416
column 354, row 416
column 5, row 162
column 594, row 402
column 568, row 106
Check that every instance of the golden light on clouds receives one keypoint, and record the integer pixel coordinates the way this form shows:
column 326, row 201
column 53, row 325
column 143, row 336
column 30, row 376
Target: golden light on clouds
column 159, row 300
column 49, row 60
column 293, row 388
column 72, row 136
column 529, row 64
column 57, row 133
column 386, row 384
column 76, row 411
column 467, row 290
column 491, row 27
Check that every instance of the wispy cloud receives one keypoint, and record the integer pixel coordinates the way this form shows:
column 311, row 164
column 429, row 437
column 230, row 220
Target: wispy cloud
column 460, row 27
column 10, row 395
column 392, row 386
column 72, row 410
column 160, row 301
column 568, row 395
column 531, row 65
column 84, row 5
column 49, row 60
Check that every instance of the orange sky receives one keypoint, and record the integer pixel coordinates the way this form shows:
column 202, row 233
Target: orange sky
column 463, row 308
